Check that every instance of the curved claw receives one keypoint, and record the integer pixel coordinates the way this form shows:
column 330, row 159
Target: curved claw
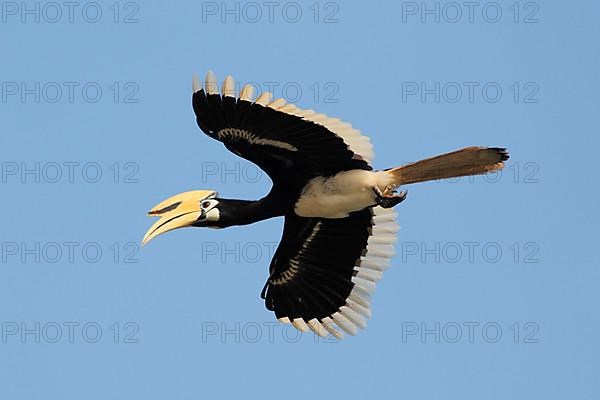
column 388, row 201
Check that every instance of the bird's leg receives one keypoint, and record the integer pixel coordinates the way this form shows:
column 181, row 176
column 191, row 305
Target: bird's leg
column 389, row 198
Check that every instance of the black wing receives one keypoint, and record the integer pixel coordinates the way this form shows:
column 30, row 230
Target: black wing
column 324, row 270
column 280, row 138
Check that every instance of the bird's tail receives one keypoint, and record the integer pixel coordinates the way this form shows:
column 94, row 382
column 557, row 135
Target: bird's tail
column 463, row 162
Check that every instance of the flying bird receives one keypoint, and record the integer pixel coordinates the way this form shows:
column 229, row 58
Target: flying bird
column 339, row 224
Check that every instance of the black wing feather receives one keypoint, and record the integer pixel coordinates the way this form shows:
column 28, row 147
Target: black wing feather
column 325, row 252
column 319, row 150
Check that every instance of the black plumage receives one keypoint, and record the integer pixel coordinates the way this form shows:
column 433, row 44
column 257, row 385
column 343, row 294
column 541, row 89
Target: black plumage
column 321, row 283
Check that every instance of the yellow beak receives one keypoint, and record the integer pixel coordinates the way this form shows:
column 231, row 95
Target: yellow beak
column 178, row 211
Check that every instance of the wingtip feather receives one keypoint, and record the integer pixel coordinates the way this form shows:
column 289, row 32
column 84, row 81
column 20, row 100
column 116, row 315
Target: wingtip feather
column 211, row 83
column 196, row 85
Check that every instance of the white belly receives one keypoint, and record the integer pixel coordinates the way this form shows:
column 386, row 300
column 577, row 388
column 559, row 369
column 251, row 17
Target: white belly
column 341, row 194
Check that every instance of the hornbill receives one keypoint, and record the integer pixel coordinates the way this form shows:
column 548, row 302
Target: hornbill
column 339, row 225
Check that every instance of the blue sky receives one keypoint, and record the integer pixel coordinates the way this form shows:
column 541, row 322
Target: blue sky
column 492, row 294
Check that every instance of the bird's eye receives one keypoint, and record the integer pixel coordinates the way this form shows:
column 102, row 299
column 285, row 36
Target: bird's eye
column 205, row 204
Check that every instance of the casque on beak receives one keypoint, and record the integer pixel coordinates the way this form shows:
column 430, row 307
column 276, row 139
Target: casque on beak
column 178, row 211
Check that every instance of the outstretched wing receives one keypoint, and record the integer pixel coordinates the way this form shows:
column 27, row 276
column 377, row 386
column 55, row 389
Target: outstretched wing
column 279, row 137
column 324, row 270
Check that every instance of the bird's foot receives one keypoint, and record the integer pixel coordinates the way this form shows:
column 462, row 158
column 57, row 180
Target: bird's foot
column 388, row 199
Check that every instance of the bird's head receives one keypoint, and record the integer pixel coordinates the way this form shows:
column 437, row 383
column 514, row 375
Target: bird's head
column 195, row 208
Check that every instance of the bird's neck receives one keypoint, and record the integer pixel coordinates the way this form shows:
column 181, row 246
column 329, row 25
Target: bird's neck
column 244, row 212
